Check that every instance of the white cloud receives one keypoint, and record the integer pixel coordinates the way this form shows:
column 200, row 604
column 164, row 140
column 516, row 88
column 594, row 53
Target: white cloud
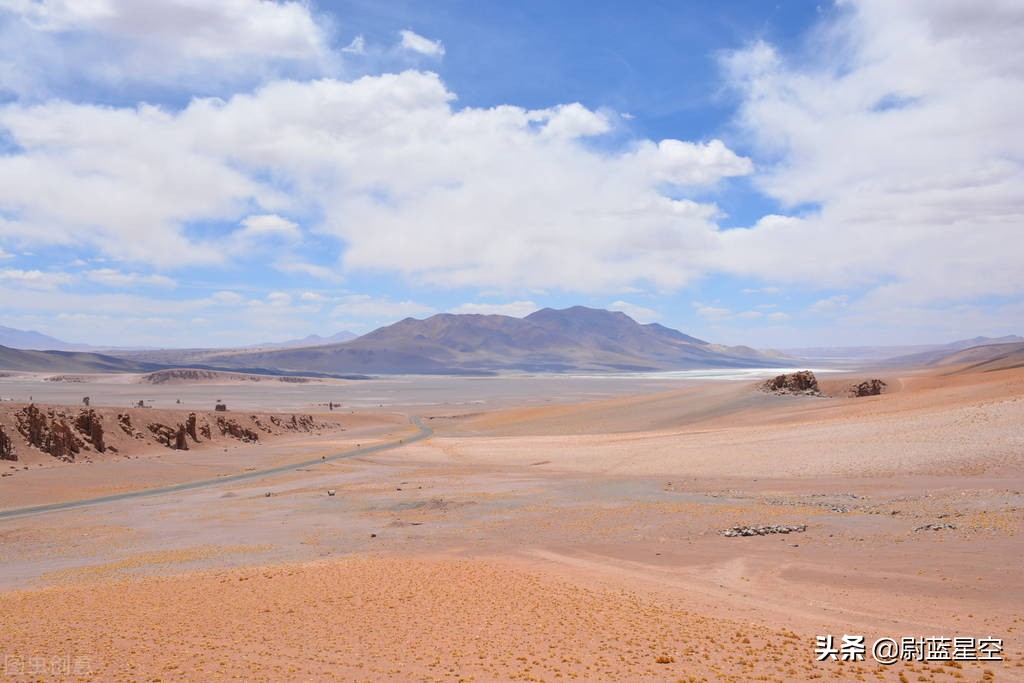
column 571, row 121
column 516, row 309
column 829, row 305
column 424, row 46
column 761, row 290
column 35, row 279
column 226, row 298
column 115, row 278
column 905, row 134
column 638, row 313
column 357, row 46
column 310, row 269
column 265, row 225
column 488, row 198
column 710, row 312
column 279, row 299
column 372, row 308
column 5, row 255
column 112, row 42
column 687, row 163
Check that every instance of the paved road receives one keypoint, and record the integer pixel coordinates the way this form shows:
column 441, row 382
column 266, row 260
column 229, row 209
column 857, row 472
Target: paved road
column 54, row 507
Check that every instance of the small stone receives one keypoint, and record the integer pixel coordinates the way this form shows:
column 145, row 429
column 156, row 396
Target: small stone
column 330, row 492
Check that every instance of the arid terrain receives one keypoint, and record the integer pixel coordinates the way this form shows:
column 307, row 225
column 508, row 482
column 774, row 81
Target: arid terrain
column 536, row 528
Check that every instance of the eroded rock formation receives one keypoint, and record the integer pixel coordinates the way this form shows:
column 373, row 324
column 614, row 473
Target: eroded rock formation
column 6, row 447
column 236, row 431
column 90, row 425
column 48, row 432
column 190, row 427
column 870, row 387
column 172, row 437
column 795, row 383
column 124, row 421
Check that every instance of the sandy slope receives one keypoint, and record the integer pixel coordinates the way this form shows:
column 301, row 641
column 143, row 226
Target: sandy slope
column 554, row 543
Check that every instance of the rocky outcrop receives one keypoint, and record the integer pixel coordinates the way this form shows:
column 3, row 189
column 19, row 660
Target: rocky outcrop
column 935, row 527
column 124, row 421
column 236, row 431
column 48, row 432
column 870, row 387
column 62, row 442
column 172, row 437
column 802, row 383
column 90, row 425
column 190, row 427
column 764, row 530
column 6, row 447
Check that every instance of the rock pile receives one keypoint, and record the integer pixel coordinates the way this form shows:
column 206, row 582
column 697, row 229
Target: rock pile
column 935, row 527
column 802, row 383
column 763, row 530
column 870, row 387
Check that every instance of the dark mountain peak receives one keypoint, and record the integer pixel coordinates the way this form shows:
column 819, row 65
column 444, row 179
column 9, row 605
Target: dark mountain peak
column 675, row 334
column 578, row 314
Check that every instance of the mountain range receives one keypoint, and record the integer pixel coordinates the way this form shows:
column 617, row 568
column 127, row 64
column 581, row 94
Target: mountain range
column 576, row 339
column 548, row 340
column 311, row 340
column 21, row 339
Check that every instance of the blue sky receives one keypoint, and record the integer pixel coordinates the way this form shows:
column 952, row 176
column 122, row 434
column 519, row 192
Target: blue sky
column 186, row 173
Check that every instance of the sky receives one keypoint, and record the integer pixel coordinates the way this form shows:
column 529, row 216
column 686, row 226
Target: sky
column 218, row 173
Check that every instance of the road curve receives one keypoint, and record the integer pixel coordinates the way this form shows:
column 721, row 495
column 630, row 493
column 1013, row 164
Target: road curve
column 174, row 488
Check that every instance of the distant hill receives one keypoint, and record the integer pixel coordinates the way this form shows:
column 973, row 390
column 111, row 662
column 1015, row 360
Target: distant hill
column 20, row 360
column 986, row 358
column 21, row 339
column 311, row 340
column 938, row 353
column 896, row 353
column 549, row 340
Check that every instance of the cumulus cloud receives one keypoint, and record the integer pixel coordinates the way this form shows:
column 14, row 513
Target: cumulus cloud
column 904, row 139
column 491, row 198
column 187, row 42
column 516, row 309
column 268, row 224
column 417, row 43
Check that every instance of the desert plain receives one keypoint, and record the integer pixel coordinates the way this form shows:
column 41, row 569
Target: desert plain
column 531, row 528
